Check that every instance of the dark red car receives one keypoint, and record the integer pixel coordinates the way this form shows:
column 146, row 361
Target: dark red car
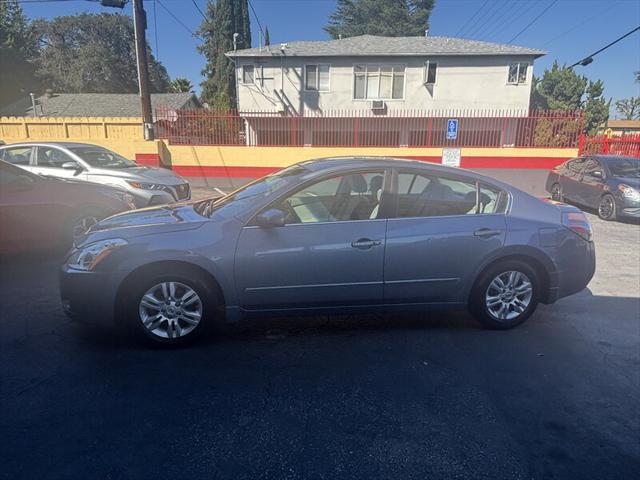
column 44, row 213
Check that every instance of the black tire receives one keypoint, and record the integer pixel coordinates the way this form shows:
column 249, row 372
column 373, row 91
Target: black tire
column 477, row 300
column 556, row 192
column 607, row 209
column 130, row 306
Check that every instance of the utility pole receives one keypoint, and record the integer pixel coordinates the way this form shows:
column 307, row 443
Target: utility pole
column 140, row 25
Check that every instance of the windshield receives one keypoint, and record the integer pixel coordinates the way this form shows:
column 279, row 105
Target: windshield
column 102, row 158
column 624, row 167
column 252, row 192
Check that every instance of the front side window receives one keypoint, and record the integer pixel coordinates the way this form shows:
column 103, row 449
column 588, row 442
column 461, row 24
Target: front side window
column 378, row 82
column 16, row 155
column 317, row 77
column 423, row 195
column 517, row 73
column 247, row 74
column 591, row 166
column 430, row 70
column 51, row 157
column 347, row 197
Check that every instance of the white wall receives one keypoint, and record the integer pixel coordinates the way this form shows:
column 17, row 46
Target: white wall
column 472, row 82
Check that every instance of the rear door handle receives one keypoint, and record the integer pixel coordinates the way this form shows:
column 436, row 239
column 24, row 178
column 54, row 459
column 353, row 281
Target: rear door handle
column 487, row 233
column 365, row 243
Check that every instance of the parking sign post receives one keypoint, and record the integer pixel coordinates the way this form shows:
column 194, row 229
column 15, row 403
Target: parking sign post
column 452, row 129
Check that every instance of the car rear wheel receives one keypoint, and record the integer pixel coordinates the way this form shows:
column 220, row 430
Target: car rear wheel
column 556, row 193
column 170, row 309
column 505, row 295
column 607, row 207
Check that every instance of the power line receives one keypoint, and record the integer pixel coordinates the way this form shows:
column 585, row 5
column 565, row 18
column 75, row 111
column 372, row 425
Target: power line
column 256, row 15
column 155, row 29
column 485, row 14
column 534, row 20
column 193, row 34
column 501, row 20
column 198, row 8
column 589, row 58
column 461, row 29
column 489, row 18
column 599, row 14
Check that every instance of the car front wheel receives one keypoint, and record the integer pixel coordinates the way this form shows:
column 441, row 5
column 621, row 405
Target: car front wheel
column 171, row 309
column 505, row 295
column 607, row 207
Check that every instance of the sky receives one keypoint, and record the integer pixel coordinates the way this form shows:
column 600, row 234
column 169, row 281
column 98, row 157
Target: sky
column 568, row 30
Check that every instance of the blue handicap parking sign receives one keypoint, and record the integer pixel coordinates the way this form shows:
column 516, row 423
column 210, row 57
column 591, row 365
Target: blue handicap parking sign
column 452, row 129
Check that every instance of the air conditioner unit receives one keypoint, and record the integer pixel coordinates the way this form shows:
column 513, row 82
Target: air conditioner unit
column 378, row 105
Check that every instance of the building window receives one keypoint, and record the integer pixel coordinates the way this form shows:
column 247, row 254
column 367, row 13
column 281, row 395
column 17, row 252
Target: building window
column 378, row 82
column 247, row 74
column 317, row 77
column 517, row 73
column 430, row 69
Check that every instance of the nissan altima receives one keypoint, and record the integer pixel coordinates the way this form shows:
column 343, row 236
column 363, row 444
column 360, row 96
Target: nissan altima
column 330, row 235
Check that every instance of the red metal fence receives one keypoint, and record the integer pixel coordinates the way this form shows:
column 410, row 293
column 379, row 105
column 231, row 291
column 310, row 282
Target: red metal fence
column 365, row 128
column 627, row 145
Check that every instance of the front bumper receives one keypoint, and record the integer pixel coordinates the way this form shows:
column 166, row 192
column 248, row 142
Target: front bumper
column 631, row 212
column 168, row 194
column 88, row 297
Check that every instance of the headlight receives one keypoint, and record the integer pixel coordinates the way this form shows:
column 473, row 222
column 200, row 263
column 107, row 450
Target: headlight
column 629, row 192
column 88, row 257
column 146, row 186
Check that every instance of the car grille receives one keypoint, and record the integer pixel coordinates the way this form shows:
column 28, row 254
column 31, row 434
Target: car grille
column 182, row 191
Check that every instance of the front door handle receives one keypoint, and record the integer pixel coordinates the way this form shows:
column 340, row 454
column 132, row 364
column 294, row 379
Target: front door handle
column 365, row 243
column 487, row 233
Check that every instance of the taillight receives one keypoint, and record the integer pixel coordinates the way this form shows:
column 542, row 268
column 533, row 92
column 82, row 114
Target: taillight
column 578, row 223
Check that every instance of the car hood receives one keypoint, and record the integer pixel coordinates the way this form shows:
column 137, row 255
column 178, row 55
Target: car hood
column 631, row 181
column 145, row 221
column 141, row 174
column 80, row 185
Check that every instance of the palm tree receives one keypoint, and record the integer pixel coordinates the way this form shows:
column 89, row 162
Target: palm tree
column 181, row 85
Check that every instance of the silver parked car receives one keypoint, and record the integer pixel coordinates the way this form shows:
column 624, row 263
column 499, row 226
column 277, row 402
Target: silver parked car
column 92, row 163
column 332, row 235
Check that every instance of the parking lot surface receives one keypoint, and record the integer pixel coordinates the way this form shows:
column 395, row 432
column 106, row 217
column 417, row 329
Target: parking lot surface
column 394, row 396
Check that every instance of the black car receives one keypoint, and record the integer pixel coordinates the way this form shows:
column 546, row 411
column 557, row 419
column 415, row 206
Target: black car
column 608, row 183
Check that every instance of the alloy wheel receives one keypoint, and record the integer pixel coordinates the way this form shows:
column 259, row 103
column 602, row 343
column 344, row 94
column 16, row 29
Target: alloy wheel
column 508, row 295
column 606, row 207
column 170, row 310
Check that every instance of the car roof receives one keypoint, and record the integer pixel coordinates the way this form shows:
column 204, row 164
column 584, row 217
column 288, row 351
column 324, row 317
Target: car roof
column 606, row 158
column 56, row 144
column 330, row 164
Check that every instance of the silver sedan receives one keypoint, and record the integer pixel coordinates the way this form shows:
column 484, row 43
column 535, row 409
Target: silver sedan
column 332, row 235
column 92, row 163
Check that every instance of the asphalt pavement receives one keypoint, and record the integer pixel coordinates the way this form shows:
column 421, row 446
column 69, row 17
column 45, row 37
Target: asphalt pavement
column 363, row 397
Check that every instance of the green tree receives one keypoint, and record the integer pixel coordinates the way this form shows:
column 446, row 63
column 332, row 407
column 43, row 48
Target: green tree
column 18, row 50
column 561, row 88
column 629, row 108
column 181, row 85
column 93, row 53
column 396, row 18
column 223, row 19
column 267, row 40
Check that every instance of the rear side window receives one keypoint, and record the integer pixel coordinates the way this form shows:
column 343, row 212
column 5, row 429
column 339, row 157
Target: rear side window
column 16, row 155
column 423, row 195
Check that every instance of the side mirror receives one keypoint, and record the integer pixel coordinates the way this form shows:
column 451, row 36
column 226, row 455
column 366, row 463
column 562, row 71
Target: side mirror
column 597, row 174
column 73, row 166
column 271, row 218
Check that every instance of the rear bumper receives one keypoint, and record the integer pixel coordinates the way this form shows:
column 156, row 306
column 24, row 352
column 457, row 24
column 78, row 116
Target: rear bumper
column 576, row 276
